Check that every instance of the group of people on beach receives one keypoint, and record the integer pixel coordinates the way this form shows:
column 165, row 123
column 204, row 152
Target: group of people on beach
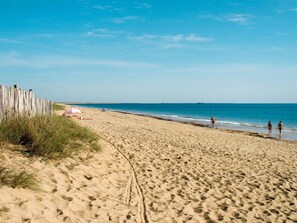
column 280, row 125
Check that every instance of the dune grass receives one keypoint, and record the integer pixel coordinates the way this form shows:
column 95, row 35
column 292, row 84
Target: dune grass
column 48, row 136
column 58, row 107
column 13, row 178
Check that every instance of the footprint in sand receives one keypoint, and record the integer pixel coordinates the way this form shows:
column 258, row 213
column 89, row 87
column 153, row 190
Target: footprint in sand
column 220, row 217
column 198, row 210
column 67, row 198
column 53, row 180
column 224, row 207
column 59, row 211
column 88, row 177
column 92, row 198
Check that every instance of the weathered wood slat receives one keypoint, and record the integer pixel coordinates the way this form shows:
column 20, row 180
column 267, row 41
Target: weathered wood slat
column 15, row 101
column 2, row 100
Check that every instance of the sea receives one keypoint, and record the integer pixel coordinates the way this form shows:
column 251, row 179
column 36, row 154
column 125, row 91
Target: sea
column 243, row 117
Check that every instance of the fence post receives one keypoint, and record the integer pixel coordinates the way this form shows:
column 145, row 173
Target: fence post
column 10, row 101
column 16, row 101
column 2, row 99
column 32, row 102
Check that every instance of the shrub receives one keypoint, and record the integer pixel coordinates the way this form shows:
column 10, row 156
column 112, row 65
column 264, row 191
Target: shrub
column 48, row 136
column 10, row 177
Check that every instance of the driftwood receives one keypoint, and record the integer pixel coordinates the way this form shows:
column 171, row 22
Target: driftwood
column 15, row 101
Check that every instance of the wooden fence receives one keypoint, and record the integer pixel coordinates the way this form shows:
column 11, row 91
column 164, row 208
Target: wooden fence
column 15, row 101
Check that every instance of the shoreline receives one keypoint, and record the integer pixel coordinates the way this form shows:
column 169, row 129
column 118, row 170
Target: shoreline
column 229, row 130
column 245, row 132
column 257, row 127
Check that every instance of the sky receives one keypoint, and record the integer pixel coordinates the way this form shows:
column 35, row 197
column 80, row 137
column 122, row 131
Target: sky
column 231, row 51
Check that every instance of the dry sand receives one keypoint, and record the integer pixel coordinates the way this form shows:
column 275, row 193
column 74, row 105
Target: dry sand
column 159, row 171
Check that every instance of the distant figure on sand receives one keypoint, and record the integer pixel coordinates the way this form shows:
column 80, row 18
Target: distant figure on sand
column 76, row 117
column 280, row 127
column 269, row 126
column 212, row 121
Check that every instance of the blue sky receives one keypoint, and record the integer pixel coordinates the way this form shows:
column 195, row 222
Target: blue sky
column 151, row 51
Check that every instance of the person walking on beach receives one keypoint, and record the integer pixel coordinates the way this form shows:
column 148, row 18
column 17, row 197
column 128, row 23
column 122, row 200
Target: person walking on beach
column 280, row 127
column 269, row 126
column 212, row 121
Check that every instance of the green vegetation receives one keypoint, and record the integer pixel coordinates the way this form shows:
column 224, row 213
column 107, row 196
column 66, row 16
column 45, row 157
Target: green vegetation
column 12, row 178
column 48, row 136
column 51, row 137
column 57, row 107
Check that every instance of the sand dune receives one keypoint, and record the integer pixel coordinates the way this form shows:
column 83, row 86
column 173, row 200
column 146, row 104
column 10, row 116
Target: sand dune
column 159, row 171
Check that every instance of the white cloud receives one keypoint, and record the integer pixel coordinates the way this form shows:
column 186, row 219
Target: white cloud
column 271, row 49
column 13, row 60
column 237, row 18
column 240, row 19
column 186, row 38
column 178, row 41
column 174, row 38
column 105, row 33
column 229, row 69
column 285, row 10
column 173, row 46
column 194, row 38
column 9, row 41
column 45, row 35
column 102, row 7
column 121, row 20
column 29, row 38
column 143, row 5
column 142, row 38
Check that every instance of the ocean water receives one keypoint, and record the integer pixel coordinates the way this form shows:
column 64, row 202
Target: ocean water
column 245, row 117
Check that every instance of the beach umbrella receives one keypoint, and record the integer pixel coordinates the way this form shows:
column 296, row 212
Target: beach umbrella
column 71, row 111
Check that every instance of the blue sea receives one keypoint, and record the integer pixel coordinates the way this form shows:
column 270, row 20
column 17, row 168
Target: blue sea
column 245, row 117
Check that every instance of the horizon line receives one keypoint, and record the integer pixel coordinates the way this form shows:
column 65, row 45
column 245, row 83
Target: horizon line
column 73, row 103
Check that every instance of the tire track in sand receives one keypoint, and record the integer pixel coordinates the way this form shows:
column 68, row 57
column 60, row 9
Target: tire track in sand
column 128, row 190
column 132, row 181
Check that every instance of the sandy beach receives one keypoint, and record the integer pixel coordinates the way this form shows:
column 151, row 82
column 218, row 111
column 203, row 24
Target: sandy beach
column 153, row 170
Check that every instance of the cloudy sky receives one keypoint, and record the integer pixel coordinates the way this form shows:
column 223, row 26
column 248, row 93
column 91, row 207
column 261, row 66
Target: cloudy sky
column 151, row 51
